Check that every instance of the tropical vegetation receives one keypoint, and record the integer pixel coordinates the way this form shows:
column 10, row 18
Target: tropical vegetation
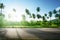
column 44, row 22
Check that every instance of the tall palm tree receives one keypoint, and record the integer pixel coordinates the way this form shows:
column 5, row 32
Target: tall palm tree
column 1, row 6
column 38, row 10
column 44, row 20
column 59, row 14
column 57, row 17
column 50, row 14
column 1, row 15
column 55, row 12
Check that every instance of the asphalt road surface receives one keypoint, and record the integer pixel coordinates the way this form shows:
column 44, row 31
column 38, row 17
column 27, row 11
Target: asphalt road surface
column 29, row 33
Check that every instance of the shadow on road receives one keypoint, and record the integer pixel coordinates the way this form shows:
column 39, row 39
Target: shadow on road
column 2, row 34
column 45, row 35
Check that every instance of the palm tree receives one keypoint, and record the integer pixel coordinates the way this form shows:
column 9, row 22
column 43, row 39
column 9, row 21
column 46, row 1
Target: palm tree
column 43, row 18
column 50, row 14
column 59, row 11
column 56, row 16
column 1, row 6
column 33, row 15
column 28, row 12
column 38, row 9
column 59, row 14
column 54, row 11
column 47, row 17
column 38, row 16
column 14, row 10
column 45, row 14
column 1, row 15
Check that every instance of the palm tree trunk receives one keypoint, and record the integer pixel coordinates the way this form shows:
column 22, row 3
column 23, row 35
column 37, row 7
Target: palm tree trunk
column 50, row 21
column 57, row 23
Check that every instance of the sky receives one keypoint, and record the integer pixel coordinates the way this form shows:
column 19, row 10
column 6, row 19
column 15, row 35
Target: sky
column 21, row 5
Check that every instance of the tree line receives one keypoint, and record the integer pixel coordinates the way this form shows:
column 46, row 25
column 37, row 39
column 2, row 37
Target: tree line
column 46, row 16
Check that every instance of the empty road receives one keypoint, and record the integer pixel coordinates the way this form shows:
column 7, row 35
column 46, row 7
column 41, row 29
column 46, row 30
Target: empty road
column 29, row 33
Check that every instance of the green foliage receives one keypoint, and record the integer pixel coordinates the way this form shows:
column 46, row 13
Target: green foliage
column 1, row 5
column 1, row 15
column 38, row 9
column 54, row 11
column 59, row 11
column 27, row 11
column 50, row 14
column 45, row 14
column 56, row 15
column 43, row 17
column 55, row 23
column 38, row 16
column 33, row 15
column 1, row 21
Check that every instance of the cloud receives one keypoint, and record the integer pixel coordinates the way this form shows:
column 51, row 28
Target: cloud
column 57, row 8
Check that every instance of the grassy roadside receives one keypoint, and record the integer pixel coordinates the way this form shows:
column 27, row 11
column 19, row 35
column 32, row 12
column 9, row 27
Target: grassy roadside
column 27, row 27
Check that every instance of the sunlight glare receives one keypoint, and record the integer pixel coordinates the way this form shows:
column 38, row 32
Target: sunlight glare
column 14, row 16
